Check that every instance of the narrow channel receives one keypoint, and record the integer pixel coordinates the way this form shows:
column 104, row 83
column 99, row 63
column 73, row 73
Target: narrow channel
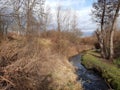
column 89, row 78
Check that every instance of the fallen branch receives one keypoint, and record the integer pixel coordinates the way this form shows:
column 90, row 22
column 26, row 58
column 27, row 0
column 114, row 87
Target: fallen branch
column 108, row 85
column 4, row 79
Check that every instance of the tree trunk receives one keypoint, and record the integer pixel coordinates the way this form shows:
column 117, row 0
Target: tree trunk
column 100, row 41
column 102, row 37
column 111, row 45
column 102, row 51
column 112, row 32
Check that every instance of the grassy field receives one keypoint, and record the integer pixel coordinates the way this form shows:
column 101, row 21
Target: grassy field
column 110, row 72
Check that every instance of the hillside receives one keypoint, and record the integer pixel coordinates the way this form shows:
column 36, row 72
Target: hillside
column 34, row 66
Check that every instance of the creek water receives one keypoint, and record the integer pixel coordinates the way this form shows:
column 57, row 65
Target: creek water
column 89, row 78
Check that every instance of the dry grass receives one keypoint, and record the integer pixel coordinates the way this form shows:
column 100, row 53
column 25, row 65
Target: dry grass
column 34, row 66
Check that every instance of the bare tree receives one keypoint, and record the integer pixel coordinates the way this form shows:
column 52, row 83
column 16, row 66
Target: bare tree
column 31, row 7
column 44, row 19
column 66, row 19
column 105, row 14
column 47, row 19
column 4, row 18
column 112, row 30
column 99, row 13
column 18, row 14
column 63, row 19
column 59, row 18
column 22, row 13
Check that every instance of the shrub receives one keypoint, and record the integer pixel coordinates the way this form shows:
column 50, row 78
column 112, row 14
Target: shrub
column 36, row 67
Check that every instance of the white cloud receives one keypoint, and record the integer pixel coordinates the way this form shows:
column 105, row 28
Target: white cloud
column 85, row 21
column 65, row 3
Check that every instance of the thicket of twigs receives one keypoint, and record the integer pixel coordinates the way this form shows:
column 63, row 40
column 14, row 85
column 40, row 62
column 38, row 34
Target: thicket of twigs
column 35, row 65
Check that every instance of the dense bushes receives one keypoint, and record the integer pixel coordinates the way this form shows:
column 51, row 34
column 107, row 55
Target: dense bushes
column 64, row 41
column 41, row 59
column 35, row 66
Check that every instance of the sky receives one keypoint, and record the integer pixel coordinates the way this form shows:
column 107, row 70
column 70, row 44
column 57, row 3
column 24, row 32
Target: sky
column 82, row 7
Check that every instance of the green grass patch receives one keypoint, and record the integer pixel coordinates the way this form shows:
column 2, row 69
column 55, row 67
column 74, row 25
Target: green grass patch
column 117, row 62
column 109, row 71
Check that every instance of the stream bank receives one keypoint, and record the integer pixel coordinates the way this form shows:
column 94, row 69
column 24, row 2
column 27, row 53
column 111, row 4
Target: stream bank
column 108, row 71
column 90, row 79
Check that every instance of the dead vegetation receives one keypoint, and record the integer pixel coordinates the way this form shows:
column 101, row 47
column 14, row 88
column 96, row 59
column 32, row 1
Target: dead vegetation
column 34, row 66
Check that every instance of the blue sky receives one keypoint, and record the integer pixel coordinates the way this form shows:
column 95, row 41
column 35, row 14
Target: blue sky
column 82, row 7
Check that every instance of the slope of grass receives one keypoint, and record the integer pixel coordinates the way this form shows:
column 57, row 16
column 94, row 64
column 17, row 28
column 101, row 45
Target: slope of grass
column 33, row 66
column 109, row 71
column 117, row 62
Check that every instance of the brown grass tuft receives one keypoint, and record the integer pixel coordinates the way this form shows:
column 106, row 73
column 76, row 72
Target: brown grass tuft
column 35, row 67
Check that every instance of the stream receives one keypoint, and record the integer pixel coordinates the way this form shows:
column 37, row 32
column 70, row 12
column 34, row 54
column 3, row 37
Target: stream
column 89, row 78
